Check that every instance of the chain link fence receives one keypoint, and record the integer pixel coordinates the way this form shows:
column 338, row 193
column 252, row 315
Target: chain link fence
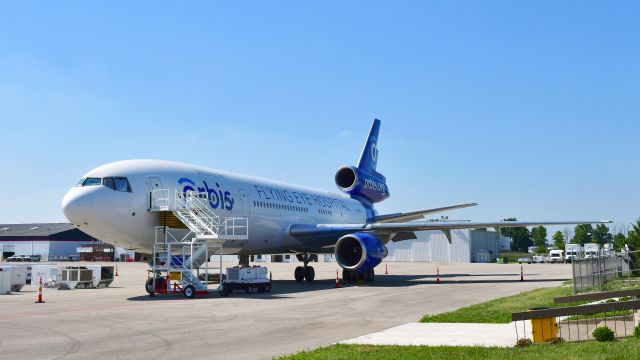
column 606, row 272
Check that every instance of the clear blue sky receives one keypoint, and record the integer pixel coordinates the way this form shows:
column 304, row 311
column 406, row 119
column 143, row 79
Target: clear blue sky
column 529, row 108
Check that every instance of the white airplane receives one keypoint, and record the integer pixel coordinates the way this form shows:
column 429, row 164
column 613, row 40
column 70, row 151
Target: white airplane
column 112, row 203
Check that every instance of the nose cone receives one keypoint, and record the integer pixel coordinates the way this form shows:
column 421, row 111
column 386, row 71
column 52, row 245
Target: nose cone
column 77, row 205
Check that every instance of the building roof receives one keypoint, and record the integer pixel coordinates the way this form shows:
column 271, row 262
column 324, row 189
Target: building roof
column 39, row 229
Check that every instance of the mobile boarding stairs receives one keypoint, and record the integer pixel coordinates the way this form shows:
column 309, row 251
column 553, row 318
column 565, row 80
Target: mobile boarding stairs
column 190, row 229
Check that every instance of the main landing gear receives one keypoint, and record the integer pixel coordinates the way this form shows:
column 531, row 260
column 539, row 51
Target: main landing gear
column 358, row 275
column 305, row 272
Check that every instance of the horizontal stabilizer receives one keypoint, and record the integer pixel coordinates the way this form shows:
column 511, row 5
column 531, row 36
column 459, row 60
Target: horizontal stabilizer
column 415, row 215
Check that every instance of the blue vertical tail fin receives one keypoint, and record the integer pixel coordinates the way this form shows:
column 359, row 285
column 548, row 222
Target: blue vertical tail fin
column 363, row 182
column 369, row 156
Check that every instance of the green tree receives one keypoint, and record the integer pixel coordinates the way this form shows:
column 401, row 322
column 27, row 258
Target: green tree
column 539, row 235
column 633, row 238
column 558, row 240
column 618, row 241
column 582, row 234
column 520, row 236
column 601, row 234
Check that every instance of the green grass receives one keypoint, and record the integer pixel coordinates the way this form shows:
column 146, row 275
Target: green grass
column 499, row 310
column 625, row 349
column 514, row 256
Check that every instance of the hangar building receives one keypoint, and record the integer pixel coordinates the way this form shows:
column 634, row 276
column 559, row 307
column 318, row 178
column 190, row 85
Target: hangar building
column 56, row 241
column 467, row 245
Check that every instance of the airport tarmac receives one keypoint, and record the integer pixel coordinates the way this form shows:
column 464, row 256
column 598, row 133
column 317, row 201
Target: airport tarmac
column 124, row 322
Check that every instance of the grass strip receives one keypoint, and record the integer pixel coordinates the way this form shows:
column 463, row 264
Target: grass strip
column 624, row 349
column 498, row 311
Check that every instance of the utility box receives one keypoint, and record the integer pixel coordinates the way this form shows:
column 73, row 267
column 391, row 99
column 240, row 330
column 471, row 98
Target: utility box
column 5, row 280
column 50, row 275
column 76, row 277
column 543, row 329
column 248, row 278
column 18, row 277
column 102, row 275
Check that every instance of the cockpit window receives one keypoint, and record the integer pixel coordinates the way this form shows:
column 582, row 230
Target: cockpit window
column 122, row 184
column 91, row 182
column 109, row 182
column 117, row 183
column 79, row 183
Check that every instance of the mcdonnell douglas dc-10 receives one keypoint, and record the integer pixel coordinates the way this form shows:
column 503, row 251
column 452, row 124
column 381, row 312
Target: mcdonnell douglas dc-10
column 112, row 203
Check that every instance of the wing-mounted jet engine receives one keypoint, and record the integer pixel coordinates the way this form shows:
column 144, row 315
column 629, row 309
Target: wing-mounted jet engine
column 358, row 254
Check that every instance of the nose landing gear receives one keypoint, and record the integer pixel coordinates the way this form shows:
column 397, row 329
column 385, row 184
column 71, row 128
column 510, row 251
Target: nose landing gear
column 305, row 272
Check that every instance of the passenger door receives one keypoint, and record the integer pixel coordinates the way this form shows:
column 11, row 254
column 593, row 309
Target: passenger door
column 244, row 203
column 155, row 183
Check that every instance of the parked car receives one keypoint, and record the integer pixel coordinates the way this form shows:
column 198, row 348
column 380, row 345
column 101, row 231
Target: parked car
column 525, row 259
column 18, row 258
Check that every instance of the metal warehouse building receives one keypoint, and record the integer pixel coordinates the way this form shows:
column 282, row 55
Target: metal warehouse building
column 466, row 246
column 52, row 241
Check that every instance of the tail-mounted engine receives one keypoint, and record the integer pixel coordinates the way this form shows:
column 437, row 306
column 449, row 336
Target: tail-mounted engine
column 371, row 187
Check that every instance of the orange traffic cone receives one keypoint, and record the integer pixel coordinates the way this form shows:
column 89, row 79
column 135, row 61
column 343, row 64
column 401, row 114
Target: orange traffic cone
column 40, row 301
column 521, row 273
column 438, row 275
column 337, row 280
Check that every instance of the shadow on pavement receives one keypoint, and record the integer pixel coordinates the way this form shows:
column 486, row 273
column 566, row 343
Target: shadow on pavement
column 282, row 288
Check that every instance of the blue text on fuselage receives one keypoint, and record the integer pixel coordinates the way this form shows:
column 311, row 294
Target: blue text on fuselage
column 217, row 197
column 272, row 193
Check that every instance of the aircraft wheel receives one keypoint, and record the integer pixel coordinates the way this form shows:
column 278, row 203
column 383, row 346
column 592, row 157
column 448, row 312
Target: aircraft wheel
column 299, row 273
column 149, row 287
column 309, row 273
column 350, row 276
column 346, row 275
column 369, row 276
column 189, row 292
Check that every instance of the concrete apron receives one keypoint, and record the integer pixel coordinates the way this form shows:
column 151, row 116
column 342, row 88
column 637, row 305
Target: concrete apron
column 445, row 334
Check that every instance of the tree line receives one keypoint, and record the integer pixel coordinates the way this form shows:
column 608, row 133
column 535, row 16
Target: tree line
column 522, row 238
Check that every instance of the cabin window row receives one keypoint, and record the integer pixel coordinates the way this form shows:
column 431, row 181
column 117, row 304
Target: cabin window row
column 285, row 207
column 325, row 212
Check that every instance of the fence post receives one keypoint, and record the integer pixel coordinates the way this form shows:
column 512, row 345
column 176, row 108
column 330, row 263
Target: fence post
column 573, row 269
column 599, row 272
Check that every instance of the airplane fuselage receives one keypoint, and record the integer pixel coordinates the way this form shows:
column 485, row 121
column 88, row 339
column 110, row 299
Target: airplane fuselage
column 118, row 211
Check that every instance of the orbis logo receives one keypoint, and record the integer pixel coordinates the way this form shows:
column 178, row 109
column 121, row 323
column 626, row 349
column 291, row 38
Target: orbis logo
column 217, row 197
column 375, row 186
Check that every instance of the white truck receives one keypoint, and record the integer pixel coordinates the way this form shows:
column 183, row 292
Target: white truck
column 556, row 256
column 591, row 250
column 573, row 252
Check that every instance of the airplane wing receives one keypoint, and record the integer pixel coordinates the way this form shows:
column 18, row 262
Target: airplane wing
column 320, row 233
column 415, row 215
